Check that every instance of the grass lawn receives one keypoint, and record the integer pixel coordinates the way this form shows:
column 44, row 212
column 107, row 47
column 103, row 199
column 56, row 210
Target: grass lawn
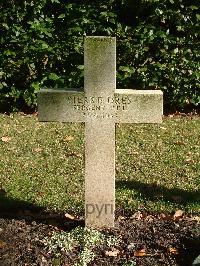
column 157, row 166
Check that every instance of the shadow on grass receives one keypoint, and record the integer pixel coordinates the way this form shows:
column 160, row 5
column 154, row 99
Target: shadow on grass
column 155, row 192
column 22, row 210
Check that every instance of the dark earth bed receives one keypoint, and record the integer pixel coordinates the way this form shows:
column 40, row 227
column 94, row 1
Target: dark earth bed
column 148, row 239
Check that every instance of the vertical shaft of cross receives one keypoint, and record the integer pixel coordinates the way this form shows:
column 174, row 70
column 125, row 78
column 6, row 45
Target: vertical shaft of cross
column 100, row 84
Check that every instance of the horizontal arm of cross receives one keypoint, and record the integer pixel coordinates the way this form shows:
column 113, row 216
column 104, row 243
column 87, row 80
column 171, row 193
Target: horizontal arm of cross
column 130, row 106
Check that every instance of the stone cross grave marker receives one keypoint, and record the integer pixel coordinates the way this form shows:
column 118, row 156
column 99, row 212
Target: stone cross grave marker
column 100, row 106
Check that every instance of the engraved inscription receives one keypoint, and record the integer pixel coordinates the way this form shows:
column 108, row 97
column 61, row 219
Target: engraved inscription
column 99, row 104
column 100, row 115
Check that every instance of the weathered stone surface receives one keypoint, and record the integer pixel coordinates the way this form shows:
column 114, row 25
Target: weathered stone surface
column 100, row 65
column 124, row 106
column 100, row 106
column 139, row 106
column 60, row 105
column 100, row 78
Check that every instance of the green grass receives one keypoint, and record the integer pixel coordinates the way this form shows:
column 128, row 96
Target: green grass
column 157, row 166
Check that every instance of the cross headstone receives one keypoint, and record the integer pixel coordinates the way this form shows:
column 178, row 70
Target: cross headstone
column 100, row 106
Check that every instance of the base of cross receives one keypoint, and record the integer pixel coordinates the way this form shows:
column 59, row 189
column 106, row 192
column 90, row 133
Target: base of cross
column 100, row 106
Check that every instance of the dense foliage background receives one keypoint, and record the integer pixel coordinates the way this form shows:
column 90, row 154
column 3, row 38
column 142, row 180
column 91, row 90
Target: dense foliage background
column 158, row 46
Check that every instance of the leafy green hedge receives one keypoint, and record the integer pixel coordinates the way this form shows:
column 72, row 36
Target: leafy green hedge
column 158, row 45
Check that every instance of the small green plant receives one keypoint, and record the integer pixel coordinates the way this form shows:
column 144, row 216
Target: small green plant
column 130, row 263
column 82, row 239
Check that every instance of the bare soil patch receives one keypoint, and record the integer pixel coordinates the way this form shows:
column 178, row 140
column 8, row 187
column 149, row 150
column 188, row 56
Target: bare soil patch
column 147, row 239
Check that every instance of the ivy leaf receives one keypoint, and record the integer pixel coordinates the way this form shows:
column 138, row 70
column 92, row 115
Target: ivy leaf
column 176, row 50
column 44, row 45
column 193, row 7
column 198, row 16
column 48, row 34
column 5, row 26
column 53, row 76
column 36, row 86
column 61, row 16
column 80, row 67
